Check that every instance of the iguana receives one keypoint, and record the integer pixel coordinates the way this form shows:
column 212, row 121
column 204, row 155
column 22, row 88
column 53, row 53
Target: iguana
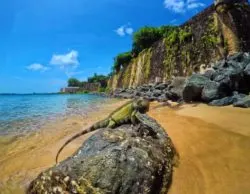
column 122, row 115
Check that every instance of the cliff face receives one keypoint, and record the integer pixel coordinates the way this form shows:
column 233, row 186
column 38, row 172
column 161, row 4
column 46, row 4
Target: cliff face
column 220, row 30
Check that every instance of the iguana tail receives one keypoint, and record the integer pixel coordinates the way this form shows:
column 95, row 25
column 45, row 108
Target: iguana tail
column 94, row 127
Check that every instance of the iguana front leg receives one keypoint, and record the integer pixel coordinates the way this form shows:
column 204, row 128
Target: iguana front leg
column 111, row 124
column 133, row 117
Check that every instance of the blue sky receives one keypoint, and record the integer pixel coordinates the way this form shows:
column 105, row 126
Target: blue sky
column 44, row 42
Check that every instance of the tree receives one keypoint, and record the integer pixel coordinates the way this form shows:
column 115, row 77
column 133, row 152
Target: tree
column 73, row 82
column 102, row 79
column 147, row 36
column 122, row 60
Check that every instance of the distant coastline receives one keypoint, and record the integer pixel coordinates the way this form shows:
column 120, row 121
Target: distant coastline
column 8, row 94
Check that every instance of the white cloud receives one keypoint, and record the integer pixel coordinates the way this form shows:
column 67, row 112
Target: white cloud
column 124, row 30
column 181, row 6
column 73, row 73
column 177, row 6
column 193, row 4
column 174, row 22
column 121, row 31
column 37, row 67
column 129, row 31
column 65, row 60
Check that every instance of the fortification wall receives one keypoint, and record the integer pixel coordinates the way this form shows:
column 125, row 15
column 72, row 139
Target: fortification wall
column 213, row 34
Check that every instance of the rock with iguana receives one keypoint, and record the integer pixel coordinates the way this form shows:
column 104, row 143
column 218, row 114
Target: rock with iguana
column 126, row 160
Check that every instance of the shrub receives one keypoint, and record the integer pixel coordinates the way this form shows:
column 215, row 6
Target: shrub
column 145, row 37
column 73, row 82
column 102, row 79
column 122, row 60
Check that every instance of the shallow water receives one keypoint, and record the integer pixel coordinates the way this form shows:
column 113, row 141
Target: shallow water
column 20, row 114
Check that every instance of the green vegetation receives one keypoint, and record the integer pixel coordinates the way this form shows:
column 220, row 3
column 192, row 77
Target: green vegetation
column 84, row 85
column 147, row 36
column 102, row 79
column 211, row 38
column 82, row 92
column 101, row 89
column 178, row 38
column 122, row 60
column 185, row 34
column 72, row 82
column 142, row 39
column 179, row 35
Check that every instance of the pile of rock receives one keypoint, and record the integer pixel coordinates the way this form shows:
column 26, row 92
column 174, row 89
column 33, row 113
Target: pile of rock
column 158, row 91
column 226, row 82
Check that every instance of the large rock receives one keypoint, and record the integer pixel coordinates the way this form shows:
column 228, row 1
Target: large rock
column 247, row 70
column 210, row 91
column 223, row 101
column 243, row 102
column 231, row 74
column 157, row 93
column 228, row 100
column 161, row 86
column 125, row 160
column 175, row 89
column 193, row 88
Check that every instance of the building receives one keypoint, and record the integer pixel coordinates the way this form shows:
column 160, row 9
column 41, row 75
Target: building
column 70, row 90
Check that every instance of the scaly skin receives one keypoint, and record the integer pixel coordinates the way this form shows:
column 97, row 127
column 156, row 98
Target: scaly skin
column 122, row 115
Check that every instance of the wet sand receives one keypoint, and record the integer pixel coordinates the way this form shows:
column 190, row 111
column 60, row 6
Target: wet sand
column 213, row 143
column 214, row 148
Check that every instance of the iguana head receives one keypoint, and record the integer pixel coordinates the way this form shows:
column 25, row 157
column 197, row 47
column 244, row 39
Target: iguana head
column 141, row 105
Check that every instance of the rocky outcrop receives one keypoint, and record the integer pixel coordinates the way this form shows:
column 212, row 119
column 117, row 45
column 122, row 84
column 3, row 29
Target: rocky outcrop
column 243, row 102
column 226, row 82
column 219, row 30
column 125, row 160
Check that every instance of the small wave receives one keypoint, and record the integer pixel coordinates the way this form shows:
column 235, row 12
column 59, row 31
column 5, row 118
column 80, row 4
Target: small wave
column 21, row 114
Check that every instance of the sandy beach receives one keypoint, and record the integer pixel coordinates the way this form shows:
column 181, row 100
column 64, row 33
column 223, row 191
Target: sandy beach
column 213, row 144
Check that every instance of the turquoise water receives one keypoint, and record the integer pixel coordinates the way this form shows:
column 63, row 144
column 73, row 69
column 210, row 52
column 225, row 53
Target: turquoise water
column 20, row 114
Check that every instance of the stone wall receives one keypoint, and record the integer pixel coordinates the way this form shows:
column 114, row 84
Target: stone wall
column 90, row 87
column 213, row 34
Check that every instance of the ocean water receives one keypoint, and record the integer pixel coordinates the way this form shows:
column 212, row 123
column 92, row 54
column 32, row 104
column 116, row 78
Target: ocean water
column 20, row 114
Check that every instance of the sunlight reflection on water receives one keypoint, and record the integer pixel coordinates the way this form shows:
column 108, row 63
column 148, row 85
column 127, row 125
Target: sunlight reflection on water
column 20, row 114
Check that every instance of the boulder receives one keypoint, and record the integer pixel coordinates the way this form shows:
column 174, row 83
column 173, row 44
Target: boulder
column 222, row 102
column 175, row 89
column 161, row 86
column 209, row 74
column 124, row 160
column 157, row 93
column 230, row 74
column 247, row 70
column 228, row 100
column 243, row 102
column 124, row 95
column 210, row 91
column 193, row 88
column 162, row 98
